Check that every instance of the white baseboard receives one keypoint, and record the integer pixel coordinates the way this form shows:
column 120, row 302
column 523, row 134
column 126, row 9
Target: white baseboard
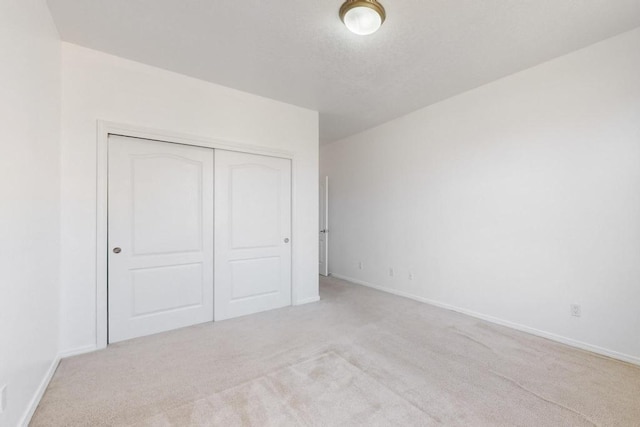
column 35, row 401
column 77, row 351
column 308, row 300
column 558, row 338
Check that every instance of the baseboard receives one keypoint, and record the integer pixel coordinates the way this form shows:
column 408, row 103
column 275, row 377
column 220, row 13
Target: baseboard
column 544, row 334
column 77, row 351
column 35, row 401
column 308, row 300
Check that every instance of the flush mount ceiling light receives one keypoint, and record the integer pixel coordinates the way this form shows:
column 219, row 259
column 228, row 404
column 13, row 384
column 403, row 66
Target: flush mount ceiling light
column 362, row 17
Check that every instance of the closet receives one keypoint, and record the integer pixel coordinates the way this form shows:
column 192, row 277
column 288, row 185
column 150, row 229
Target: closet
column 194, row 234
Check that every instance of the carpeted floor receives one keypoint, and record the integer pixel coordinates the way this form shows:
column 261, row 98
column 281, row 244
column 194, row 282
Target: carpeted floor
column 358, row 357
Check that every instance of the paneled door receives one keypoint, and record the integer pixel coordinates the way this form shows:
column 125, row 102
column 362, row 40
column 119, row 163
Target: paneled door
column 160, row 236
column 324, row 227
column 253, row 233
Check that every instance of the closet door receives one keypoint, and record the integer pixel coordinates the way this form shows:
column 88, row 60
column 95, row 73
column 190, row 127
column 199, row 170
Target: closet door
column 253, row 233
column 160, row 236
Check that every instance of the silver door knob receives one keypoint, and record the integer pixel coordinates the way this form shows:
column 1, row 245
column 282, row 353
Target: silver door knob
column 286, row 240
column 117, row 250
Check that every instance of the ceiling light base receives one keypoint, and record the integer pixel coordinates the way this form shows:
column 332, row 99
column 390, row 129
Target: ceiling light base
column 350, row 5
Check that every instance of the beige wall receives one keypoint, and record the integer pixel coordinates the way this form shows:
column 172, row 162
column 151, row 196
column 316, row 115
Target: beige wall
column 29, row 202
column 511, row 202
column 97, row 86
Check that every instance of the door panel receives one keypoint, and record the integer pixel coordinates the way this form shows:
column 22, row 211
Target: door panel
column 255, row 277
column 253, row 232
column 161, row 217
column 255, row 189
column 175, row 195
column 160, row 289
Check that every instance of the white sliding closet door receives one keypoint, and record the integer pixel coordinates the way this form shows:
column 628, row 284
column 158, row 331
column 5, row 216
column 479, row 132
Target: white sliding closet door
column 160, row 236
column 253, row 232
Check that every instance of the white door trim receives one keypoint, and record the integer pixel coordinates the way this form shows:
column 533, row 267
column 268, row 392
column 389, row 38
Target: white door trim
column 106, row 128
column 325, row 225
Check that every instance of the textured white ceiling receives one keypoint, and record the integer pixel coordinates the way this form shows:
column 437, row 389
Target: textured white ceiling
column 298, row 51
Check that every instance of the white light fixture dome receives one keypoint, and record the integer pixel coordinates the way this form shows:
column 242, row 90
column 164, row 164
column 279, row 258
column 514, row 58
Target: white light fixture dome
column 362, row 17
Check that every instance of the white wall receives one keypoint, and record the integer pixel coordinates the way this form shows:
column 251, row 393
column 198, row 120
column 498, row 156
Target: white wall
column 29, row 201
column 97, row 86
column 511, row 201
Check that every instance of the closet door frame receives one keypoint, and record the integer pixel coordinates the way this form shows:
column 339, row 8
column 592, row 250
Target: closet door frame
column 106, row 128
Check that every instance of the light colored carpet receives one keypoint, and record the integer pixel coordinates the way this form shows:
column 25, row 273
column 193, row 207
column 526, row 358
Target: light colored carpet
column 358, row 357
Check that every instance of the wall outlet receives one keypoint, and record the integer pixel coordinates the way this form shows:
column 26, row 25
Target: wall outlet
column 410, row 276
column 576, row 310
column 360, row 265
column 391, row 272
column 3, row 398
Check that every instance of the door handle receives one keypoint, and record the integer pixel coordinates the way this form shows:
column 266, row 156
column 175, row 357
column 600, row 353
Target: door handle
column 324, row 231
column 117, row 250
column 286, row 240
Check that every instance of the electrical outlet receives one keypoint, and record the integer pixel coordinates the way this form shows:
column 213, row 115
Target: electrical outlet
column 576, row 310
column 391, row 272
column 410, row 276
column 360, row 265
column 3, row 398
